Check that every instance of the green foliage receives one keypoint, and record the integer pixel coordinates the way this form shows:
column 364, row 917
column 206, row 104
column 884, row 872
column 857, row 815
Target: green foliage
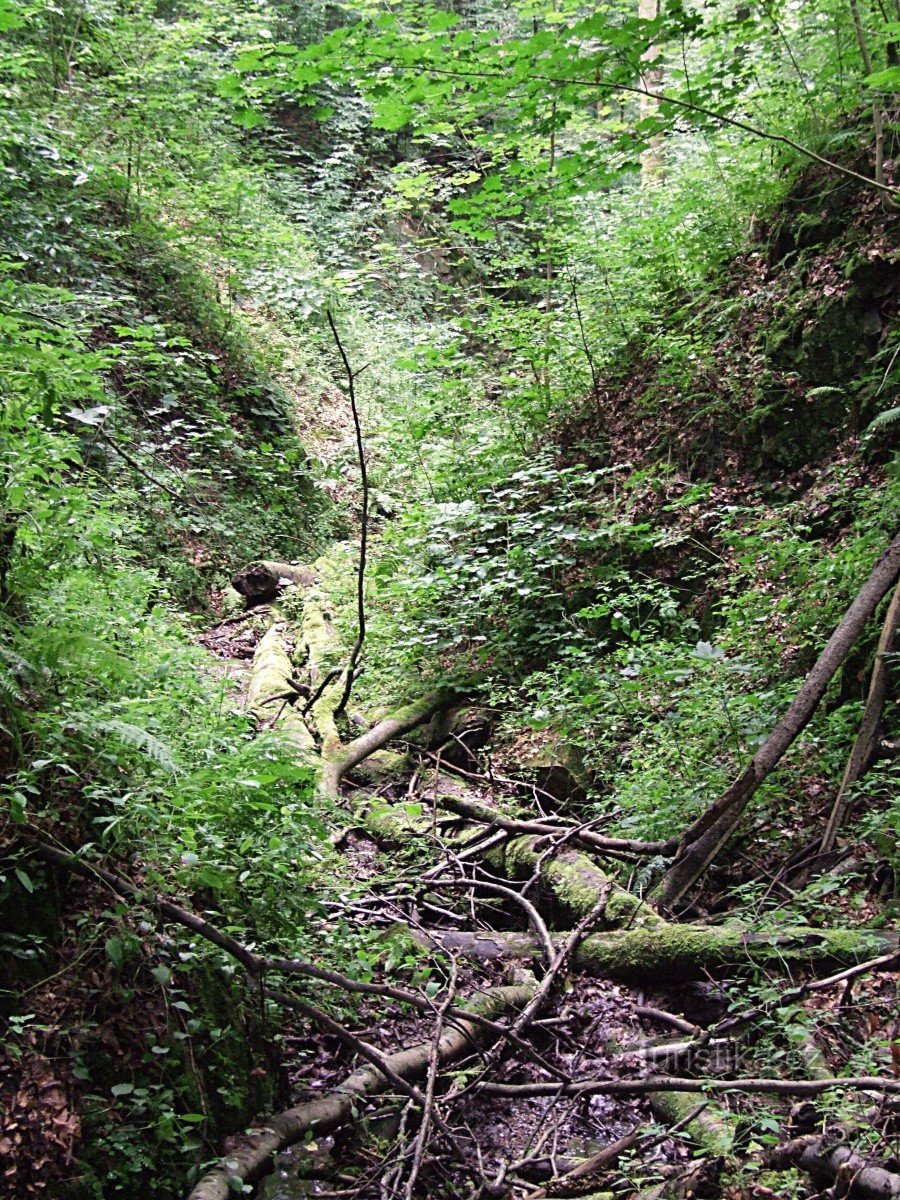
column 564, row 372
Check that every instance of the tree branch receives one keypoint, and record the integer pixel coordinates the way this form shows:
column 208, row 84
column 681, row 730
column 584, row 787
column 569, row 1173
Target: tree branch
column 364, row 524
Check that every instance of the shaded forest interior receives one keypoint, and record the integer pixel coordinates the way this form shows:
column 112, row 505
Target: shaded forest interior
column 449, row 600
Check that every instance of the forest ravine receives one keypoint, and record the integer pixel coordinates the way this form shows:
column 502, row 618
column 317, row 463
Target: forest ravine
column 449, row 600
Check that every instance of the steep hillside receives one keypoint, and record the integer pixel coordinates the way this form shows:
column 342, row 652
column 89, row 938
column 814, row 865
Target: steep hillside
column 448, row 602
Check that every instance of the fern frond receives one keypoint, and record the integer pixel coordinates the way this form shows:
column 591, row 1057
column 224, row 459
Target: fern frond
column 139, row 739
column 882, row 421
column 14, row 671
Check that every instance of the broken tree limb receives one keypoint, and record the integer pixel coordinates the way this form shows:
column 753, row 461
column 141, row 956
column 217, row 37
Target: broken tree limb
column 867, row 738
column 325, row 1113
column 711, row 831
column 343, row 758
column 473, row 810
column 679, row 952
column 829, row 1162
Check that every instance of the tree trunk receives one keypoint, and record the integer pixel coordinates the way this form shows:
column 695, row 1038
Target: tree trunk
column 653, row 167
column 867, row 738
column 669, row 953
column 708, row 835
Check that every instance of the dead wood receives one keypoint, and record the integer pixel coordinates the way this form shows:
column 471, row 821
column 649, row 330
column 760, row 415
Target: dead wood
column 710, row 1126
column 260, row 582
column 866, row 741
column 831, row 1163
column 666, row 1018
column 669, row 1083
column 588, row 1166
column 473, row 810
column 706, row 837
column 678, row 952
column 250, row 1158
column 574, row 880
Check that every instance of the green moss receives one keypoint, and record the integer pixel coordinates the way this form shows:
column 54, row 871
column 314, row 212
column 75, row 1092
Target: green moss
column 380, row 767
column 714, row 1131
column 689, row 951
column 270, row 676
column 577, row 883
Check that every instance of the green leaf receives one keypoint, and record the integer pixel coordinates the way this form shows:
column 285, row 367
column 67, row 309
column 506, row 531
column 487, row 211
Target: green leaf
column 24, row 879
column 887, row 80
column 391, row 114
column 247, row 118
column 114, row 953
column 122, row 1089
column 9, row 18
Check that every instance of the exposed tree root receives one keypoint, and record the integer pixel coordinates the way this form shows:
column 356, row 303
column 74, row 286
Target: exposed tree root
column 326, row 1113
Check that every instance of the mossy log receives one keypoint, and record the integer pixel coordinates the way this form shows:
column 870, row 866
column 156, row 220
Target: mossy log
column 712, row 1128
column 575, row 882
column 271, row 675
column 320, row 643
column 249, row 1159
column 573, row 879
column 675, row 953
column 260, row 582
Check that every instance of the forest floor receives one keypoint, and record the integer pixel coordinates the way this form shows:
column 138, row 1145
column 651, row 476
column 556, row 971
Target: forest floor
column 408, row 846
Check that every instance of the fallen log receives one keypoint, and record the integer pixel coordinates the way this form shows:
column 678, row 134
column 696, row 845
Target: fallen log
column 713, row 1129
column 251, row 1156
column 260, row 582
column 575, row 881
column 709, row 833
column 679, row 952
column 829, row 1163
column 668, row 1083
column 271, row 677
